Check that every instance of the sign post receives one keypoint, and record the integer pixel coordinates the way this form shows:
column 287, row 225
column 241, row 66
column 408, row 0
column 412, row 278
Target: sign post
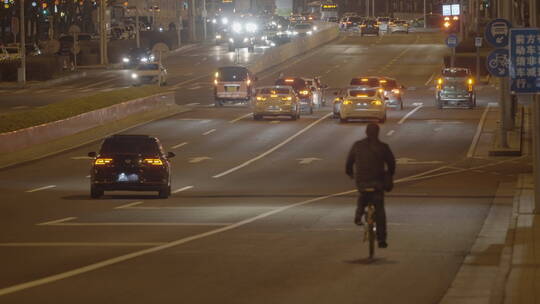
column 497, row 34
column 452, row 42
column 478, row 45
column 75, row 30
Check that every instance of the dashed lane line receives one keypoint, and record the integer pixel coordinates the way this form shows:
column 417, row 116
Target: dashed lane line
column 182, row 189
column 264, row 154
column 179, row 145
column 479, row 128
column 129, row 205
column 402, row 120
column 209, row 132
column 41, row 188
column 240, row 118
column 82, row 244
column 390, row 133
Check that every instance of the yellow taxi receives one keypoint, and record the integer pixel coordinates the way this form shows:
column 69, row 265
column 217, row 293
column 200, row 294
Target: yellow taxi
column 276, row 101
column 363, row 103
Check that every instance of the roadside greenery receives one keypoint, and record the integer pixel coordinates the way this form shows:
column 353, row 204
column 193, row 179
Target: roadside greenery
column 71, row 107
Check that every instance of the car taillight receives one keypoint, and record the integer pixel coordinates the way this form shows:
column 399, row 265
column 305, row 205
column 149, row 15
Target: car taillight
column 376, row 102
column 396, row 91
column 260, row 98
column 153, row 161
column 103, row 161
column 288, row 98
column 248, row 82
column 304, row 92
column 347, row 102
column 216, row 81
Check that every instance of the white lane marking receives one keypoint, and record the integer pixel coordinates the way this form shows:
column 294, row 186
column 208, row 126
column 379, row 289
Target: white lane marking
column 479, row 128
column 66, row 219
column 180, row 84
column 128, row 205
column 195, row 160
column 240, row 118
column 273, row 148
column 209, row 132
column 307, row 160
column 195, row 87
column 80, row 244
column 409, row 114
column 129, row 256
column 41, row 188
column 390, row 133
column 430, row 79
column 412, row 161
column 97, row 224
column 275, row 122
column 81, row 157
column 19, row 107
column 192, row 104
column 179, row 145
column 182, row 189
column 95, row 84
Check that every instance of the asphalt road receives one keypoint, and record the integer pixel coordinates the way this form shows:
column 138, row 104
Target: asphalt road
column 262, row 210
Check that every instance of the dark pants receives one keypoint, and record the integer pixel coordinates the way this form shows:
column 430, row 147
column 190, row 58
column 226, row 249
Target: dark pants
column 377, row 198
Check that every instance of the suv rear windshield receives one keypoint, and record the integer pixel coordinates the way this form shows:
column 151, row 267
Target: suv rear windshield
column 362, row 93
column 296, row 83
column 232, row 74
column 130, row 145
column 455, row 73
column 371, row 82
column 274, row 91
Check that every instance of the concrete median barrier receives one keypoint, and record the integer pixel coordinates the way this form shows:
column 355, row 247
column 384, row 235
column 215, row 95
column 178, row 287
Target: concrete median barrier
column 24, row 138
column 296, row 47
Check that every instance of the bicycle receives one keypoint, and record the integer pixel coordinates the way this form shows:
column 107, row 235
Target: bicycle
column 370, row 231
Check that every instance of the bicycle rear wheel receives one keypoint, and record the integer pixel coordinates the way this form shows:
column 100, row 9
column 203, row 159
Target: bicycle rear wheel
column 371, row 238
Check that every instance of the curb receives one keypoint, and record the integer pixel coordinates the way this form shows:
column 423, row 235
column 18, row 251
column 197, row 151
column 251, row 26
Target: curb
column 515, row 137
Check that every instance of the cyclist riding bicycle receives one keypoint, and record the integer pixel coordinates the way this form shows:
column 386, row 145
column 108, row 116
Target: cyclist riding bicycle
column 369, row 158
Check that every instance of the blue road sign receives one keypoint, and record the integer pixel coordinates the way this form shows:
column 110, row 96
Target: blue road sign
column 525, row 60
column 497, row 63
column 452, row 41
column 497, row 32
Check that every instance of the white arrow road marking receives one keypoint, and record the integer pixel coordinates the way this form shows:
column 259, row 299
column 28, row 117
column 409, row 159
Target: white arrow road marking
column 390, row 133
column 418, row 105
column 179, row 145
column 192, row 104
column 307, row 160
column 412, row 161
column 195, row 160
column 209, row 132
column 41, row 188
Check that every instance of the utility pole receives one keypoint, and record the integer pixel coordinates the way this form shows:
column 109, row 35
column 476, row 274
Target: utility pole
column 103, row 33
column 204, row 13
column 504, row 10
column 367, row 8
column 22, row 71
column 137, row 28
column 193, row 32
column 425, row 15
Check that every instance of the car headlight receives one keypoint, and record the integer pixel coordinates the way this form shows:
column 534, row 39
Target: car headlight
column 214, row 21
column 295, row 33
column 246, row 39
column 272, row 44
column 231, row 40
column 144, row 59
column 218, row 36
column 224, row 20
column 251, row 27
column 237, row 27
column 314, row 28
column 309, row 32
column 152, row 57
column 125, row 60
column 134, row 76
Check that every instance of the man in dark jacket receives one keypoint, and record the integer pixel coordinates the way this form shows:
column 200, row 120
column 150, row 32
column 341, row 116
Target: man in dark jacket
column 369, row 158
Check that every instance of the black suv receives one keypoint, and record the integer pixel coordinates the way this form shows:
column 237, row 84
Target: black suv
column 131, row 163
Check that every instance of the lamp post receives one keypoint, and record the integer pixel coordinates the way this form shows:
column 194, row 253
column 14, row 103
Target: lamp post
column 425, row 15
column 22, row 69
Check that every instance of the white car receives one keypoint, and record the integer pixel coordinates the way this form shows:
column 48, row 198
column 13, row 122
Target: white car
column 399, row 26
column 149, row 73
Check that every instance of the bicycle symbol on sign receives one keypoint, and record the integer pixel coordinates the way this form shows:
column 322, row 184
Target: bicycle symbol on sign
column 500, row 61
